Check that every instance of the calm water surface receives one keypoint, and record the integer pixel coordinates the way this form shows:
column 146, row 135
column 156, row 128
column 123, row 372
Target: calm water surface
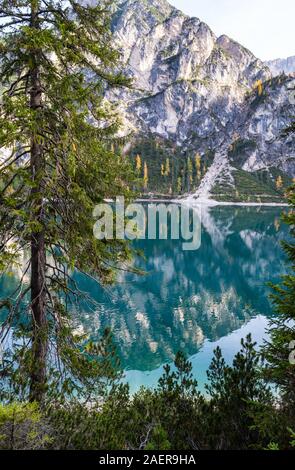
column 193, row 301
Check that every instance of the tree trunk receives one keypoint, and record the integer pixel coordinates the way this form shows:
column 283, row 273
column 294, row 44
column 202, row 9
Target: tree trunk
column 38, row 251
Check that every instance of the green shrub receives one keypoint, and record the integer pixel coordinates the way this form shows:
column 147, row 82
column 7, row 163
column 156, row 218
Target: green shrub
column 23, row 427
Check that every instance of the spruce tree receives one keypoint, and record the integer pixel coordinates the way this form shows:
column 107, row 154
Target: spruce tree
column 56, row 164
column 235, row 393
column 278, row 350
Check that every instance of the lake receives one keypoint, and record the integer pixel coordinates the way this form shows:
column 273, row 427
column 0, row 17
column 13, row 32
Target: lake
column 192, row 300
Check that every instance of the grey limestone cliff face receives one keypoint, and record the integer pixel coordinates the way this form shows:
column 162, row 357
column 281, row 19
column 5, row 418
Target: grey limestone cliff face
column 198, row 90
column 279, row 66
column 266, row 120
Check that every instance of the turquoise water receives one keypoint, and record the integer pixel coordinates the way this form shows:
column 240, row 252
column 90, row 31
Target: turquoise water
column 193, row 301
column 190, row 300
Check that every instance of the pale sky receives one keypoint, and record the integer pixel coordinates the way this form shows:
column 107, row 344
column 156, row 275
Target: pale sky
column 266, row 27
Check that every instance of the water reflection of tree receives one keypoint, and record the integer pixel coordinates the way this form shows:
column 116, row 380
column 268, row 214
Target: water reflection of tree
column 188, row 297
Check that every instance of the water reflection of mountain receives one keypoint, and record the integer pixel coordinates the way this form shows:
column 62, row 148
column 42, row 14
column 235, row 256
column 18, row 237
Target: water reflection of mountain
column 188, row 297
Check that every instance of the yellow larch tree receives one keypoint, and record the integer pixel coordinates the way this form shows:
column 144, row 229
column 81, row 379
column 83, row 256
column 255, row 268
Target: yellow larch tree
column 279, row 182
column 145, row 175
column 138, row 162
column 258, row 85
column 198, row 165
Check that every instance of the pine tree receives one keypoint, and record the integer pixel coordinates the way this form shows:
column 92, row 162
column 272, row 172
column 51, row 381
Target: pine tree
column 279, row 350
column 56, row 165
column 235, row 392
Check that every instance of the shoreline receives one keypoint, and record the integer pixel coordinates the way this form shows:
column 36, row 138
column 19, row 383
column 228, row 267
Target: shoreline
column 211, row 202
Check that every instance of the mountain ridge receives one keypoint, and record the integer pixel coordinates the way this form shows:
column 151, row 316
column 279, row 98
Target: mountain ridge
column 279, row 66
column 201, row 92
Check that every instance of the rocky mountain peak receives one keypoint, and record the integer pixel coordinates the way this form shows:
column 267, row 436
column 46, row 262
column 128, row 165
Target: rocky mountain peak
column 147, row 13
column 233, row 48
column 198, row 91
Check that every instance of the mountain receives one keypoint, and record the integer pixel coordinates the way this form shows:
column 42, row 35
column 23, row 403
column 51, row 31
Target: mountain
column 204, row 95
column 204, row 103
column 279, row 66
column 189, row 83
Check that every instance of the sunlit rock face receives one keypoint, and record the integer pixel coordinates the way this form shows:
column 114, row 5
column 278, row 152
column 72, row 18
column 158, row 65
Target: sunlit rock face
column 198, row 90
column 267, row 118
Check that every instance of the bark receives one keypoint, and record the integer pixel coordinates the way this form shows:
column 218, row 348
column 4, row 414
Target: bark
column 38, row 249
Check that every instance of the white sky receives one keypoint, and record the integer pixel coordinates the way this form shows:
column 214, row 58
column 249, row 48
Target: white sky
column 266, row 27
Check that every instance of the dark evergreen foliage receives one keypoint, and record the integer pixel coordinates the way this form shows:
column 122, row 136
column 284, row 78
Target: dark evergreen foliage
column 56, row 137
